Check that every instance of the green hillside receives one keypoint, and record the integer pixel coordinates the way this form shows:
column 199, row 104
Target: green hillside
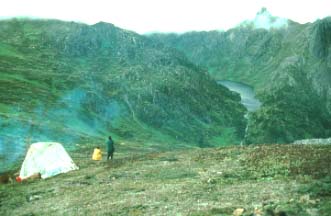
column 289, row 67
column 73, row 82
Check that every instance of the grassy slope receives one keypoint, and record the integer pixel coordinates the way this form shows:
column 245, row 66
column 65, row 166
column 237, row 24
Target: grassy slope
column 109, row 79
column 291, row 178
column 73, row 83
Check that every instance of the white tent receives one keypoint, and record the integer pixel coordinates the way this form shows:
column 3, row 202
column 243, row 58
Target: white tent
column 48, row 159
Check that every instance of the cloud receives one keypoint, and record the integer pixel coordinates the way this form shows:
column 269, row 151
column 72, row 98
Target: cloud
column 166, row 15
column 265, row 20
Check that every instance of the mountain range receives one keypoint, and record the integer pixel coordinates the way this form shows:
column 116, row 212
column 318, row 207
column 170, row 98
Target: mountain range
column 79, row 83
column 288, row 64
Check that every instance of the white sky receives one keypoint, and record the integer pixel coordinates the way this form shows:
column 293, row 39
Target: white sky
column 145, row 16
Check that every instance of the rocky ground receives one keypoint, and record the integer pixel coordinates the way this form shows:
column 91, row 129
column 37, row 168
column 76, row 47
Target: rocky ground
column 253, row 180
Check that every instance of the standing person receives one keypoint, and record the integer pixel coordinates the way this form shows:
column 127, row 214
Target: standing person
column 110, row 148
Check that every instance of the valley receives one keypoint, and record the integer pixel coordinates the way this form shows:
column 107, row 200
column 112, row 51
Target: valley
column 76, row 83
column 204, row 122
column 288, row 67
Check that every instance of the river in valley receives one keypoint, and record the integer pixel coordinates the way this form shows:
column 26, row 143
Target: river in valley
column 246, row 92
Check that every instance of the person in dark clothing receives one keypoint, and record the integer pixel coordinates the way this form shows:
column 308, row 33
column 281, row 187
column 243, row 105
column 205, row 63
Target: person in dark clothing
column 110, row 148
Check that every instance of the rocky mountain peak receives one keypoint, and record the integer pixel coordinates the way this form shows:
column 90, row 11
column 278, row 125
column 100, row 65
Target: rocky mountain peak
column 321, row 40
column 265, row 20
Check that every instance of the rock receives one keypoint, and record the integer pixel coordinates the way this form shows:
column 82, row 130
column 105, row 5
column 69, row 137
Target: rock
column 313, row 141
column 211, row 181
column 312, row 202
column 32, row 198
column 238, row 212
column 320, row 42
column 305, row 199
column 258, row 212
column 312, row 211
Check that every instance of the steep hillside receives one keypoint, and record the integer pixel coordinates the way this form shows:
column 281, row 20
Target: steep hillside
column 71, row 82
column 248, row 53
column 288, row 64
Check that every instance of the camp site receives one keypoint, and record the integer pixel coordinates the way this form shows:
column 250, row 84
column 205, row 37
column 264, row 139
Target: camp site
column 209, row 181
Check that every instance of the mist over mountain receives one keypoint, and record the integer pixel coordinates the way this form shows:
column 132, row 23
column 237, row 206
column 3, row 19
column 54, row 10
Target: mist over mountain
column 288, row 65
column 185, row 144
column 264, row 20
column 73, row 83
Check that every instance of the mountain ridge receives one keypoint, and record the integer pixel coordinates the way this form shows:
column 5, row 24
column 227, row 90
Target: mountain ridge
column 295, row 56
column 78, row 83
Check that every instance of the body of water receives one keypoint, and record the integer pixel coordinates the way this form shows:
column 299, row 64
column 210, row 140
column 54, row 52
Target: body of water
column 246, row 92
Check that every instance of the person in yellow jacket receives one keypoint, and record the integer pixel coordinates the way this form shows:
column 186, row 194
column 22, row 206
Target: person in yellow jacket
column 97, row 154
